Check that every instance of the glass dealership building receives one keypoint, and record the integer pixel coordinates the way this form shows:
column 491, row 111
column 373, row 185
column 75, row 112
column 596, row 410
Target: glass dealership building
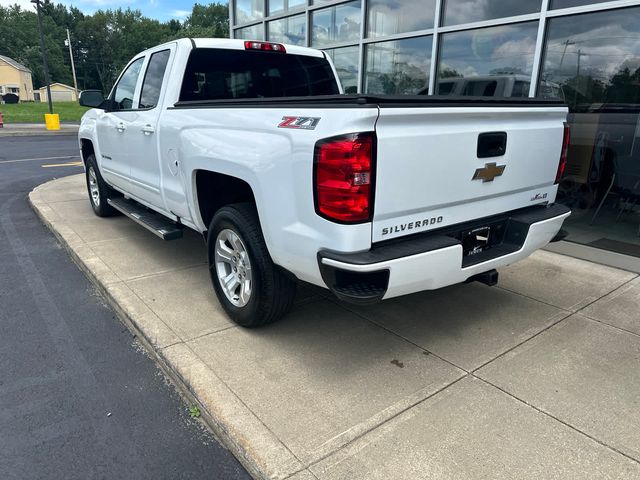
column 586, row 52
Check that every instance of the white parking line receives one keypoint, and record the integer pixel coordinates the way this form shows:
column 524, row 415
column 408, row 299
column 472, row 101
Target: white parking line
column 36, row 159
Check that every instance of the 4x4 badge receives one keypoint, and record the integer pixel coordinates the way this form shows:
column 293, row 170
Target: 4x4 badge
column 488, row 172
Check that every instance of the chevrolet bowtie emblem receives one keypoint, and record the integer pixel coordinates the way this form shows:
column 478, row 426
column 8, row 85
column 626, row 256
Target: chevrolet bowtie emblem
column 488, row 172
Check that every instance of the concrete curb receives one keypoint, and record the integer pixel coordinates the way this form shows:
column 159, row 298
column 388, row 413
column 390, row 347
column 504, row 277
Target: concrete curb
column 262, row 454
column 38, row 133
column 37, row 129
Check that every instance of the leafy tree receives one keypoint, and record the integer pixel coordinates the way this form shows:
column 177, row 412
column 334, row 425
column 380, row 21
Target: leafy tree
column 213, row 18
column 102, row 43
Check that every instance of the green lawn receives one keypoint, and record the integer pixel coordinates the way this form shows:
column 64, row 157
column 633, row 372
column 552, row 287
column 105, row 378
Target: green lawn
column 30, row 112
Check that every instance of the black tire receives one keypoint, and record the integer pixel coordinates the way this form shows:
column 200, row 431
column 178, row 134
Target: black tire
column 103, row 191
column 271, row 292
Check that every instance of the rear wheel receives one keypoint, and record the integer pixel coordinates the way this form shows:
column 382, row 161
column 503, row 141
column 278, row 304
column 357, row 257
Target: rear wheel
column 251, row 288
column 99, row 191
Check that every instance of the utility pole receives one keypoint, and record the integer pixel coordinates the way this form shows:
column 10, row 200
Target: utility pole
column 575, row 96
column 564, row 51
column 44, row 55
column 73, row 65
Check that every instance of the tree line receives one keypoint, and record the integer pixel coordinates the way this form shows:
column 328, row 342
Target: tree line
column 102, row 43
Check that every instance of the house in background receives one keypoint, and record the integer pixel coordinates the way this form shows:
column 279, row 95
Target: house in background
column 15, row 78
column 60, row 92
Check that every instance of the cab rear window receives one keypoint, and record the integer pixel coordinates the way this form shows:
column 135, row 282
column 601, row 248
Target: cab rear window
column 221, row 74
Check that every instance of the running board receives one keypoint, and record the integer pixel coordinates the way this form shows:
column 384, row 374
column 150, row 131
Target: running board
column 152, row 221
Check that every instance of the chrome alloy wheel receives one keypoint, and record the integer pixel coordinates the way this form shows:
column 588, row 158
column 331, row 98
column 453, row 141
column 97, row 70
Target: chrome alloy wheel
column 233, row 267
column 93, row 187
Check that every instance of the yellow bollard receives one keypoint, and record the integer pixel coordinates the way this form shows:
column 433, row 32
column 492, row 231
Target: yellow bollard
column 52, row 121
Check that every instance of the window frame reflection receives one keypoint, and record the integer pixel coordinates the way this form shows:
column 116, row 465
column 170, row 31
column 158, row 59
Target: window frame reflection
column 286, row 35
column 374, row 29
column 339, row 66
column 469, row 10
column 242, row 14
column 423, row 65
column 465, row 72
column 333, row 35
column 238, row 32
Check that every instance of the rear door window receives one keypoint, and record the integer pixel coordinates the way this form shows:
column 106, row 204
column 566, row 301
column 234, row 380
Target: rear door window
column 152, row 83
column 218, row 74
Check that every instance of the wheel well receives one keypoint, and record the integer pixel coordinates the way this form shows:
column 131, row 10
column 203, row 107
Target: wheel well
column 215, row 190
column 86, row 149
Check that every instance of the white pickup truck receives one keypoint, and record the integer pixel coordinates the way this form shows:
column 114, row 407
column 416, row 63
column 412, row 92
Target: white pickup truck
column 253, row 145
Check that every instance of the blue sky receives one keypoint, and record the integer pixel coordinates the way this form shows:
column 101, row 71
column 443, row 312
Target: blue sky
column 160, row 9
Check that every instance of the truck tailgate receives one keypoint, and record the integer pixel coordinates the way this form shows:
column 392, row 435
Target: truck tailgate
column 427, row 159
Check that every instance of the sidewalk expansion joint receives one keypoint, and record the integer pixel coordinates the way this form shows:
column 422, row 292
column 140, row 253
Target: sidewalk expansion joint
column 553, row 417
column 605, row 324
column 387, row 420
column 545, row 329
column 524, row 295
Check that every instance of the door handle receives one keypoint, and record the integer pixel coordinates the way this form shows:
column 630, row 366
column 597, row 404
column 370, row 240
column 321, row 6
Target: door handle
column 120, row 127
column 148, row 129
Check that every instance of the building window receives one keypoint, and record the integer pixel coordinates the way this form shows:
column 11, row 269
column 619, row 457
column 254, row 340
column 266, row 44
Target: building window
column 345, row 60
column 399, row 67
column 280, row 6
column 594, row 58
column 389, row 17
column 254, row 32
column 467, row 11
column 337, row 24
column 290, row 30
column 248, row 10
column 593, row 61
column 495, row 61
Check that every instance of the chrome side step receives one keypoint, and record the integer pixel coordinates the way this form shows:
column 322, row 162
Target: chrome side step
column 152, row 221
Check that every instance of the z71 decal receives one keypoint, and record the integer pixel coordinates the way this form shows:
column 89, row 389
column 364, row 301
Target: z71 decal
column 306, row 123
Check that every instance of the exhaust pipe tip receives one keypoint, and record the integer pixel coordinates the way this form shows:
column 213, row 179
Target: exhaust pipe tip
column 489, row 278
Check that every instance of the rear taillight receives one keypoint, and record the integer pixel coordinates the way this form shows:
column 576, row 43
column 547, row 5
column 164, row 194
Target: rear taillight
column 563, row 153
column 264, row 46
column 343, row 177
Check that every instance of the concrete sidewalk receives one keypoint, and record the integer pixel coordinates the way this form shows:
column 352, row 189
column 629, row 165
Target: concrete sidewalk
column 536, row 379
column 34, row 129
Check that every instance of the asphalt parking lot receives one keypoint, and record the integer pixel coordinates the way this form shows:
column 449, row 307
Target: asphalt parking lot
column 536, row 378
column 79, row 397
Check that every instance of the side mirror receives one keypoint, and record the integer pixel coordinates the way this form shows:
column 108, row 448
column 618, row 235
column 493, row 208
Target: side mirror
column 91, row 98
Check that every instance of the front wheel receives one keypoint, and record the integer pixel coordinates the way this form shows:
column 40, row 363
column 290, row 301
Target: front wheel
column 250, row 287
column 99, row 191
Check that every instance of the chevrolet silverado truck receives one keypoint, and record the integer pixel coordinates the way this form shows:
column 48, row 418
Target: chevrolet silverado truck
column 253, row 145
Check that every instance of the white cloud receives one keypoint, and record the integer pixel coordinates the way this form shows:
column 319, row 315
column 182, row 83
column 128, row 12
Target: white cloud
column 180, row 14
column 24, row 4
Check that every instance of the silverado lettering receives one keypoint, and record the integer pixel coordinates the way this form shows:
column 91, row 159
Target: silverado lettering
column 411, row 225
